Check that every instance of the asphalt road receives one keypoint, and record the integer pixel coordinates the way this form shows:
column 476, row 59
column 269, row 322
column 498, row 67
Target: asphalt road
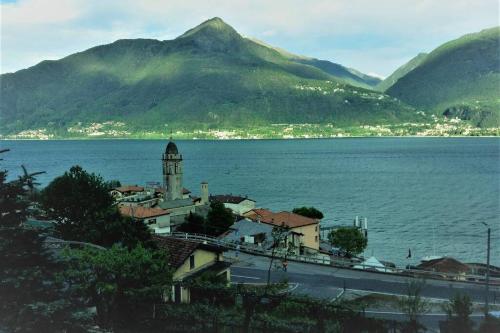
column 328, row 282
column 325, row 282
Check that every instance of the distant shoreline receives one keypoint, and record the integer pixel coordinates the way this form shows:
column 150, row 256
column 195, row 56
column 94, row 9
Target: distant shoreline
column 259, row 139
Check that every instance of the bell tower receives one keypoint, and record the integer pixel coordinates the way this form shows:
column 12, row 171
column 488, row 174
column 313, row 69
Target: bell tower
column 172, row 172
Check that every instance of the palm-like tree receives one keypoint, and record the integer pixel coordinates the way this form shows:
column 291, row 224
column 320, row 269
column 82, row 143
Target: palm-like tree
column 28, row 179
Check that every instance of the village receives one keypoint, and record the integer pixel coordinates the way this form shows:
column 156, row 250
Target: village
column 180, row 222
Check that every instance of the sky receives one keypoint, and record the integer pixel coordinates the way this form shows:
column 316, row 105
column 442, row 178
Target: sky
column 375, row 37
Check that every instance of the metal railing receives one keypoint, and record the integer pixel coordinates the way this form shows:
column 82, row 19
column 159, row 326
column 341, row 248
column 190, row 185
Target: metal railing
column 342, row 263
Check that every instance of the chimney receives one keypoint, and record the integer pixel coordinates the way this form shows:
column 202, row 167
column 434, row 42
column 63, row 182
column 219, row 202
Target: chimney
column 204, row 193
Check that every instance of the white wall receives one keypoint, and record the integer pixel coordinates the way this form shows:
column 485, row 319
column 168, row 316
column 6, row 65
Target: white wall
column 242, row 207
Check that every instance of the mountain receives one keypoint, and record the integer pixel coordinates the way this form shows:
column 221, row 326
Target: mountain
column 209, row 77
column 400, row 72
column 347, row 75
column 460, row 78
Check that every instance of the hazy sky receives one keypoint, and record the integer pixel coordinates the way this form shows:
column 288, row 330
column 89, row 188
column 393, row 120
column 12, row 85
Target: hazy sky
column 372, row 36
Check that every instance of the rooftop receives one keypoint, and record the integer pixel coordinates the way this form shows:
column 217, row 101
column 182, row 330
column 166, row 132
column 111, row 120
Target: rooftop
column 288, row 219
column 142, row 212
column 445, row 265
column 229, row 198
column 180, row 249
column 170, row 204
column 129, row 188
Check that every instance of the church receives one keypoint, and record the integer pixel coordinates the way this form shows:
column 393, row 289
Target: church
column 163, row 208
column 175, row 198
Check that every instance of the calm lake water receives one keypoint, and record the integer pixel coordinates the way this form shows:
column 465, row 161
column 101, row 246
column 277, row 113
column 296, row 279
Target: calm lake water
column 427, row 194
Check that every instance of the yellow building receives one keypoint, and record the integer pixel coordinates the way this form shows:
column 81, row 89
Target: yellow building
column 304, row 231
column 190, row 259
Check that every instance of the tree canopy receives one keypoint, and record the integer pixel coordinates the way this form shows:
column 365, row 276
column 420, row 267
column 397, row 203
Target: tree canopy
column 349, row 239
column 83, row 209
column 219, row 218
column 308, row 212
column 118, row 281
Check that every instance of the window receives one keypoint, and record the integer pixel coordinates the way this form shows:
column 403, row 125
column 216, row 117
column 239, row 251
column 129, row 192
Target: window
column 316, row 238
column 316, row 228
column 152, row 221
column 191, row 262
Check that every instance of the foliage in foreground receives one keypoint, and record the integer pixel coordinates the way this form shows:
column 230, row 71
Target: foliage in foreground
column 117, row 281
column 84, row 210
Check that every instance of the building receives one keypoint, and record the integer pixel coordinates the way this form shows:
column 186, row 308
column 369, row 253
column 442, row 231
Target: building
column 160, row 193
column 190, row 259
column 449, row 267
column 157, row 219
column 304, row 231
column 172, row 172
column 238, row 204
column 125, row 191
column 176, row 199
column 249, row 232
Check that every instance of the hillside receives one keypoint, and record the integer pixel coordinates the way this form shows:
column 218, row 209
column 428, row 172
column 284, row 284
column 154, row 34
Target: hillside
column 344, row 74
column 460, row 78
column 209, row 77
column 400, row 72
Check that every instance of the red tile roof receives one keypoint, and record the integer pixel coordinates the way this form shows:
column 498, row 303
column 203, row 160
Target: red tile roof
column 129, row 188
column 288, row 219
column 142, row 212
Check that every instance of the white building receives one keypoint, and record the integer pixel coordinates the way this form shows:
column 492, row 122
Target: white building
column 239, row 205
column 157, row 219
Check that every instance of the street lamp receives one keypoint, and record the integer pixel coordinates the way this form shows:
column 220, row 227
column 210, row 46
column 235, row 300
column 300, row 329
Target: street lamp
column 486, row 305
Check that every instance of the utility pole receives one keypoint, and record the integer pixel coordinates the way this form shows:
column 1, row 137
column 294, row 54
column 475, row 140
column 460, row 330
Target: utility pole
column 486, row 305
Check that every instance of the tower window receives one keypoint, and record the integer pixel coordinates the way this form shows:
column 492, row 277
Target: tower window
column 191, row 262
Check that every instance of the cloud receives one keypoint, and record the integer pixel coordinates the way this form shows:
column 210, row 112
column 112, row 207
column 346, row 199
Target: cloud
column 372, row 36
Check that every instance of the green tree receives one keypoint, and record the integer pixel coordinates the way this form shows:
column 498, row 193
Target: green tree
column 119, row 282
column 458, row 311
column 309, row 212
column 84, row 210
column 349, row 239
column 14, row 197
column 30, row 301
column 76, row 200
column 194, row 223
column 219, row 218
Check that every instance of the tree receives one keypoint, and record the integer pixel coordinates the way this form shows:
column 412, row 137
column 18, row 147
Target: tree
column 84, row 210
column 76, row 200
column 458, row 311
column 413, row 305
column 219, row 218
column 279, row 235
column 119, row 282
column 309, row 212
column 30, row 301
column 14, row 197
column 194, row 223
column 349, row 239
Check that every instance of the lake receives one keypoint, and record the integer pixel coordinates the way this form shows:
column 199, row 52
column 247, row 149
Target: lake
column 427, row 194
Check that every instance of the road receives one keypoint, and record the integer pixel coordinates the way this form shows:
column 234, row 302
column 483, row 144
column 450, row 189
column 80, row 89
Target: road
column 328, row 282
column 324, row 281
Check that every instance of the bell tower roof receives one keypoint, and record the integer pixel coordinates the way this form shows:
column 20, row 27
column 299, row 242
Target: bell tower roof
column 171, row 148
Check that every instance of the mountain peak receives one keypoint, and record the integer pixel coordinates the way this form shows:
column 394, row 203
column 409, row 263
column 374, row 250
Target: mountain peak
column 213, row 26
column 213, row 35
